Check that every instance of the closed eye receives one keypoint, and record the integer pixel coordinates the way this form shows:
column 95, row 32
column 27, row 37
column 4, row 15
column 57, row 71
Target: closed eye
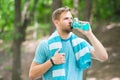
column 66, row 18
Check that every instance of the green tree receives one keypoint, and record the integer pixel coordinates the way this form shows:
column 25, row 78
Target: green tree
column 6, row 19
column 21, row 22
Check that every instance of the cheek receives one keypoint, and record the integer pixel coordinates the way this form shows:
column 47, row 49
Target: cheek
column 64, row 22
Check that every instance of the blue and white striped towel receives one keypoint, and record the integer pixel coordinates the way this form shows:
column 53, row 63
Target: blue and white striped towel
column 81, row 51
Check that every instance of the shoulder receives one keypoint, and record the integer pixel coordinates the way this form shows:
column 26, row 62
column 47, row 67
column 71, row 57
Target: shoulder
column 43, row 43
column 41, row 52
column 42, row 46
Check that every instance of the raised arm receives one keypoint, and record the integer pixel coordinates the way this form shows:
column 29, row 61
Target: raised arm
column 99, row 52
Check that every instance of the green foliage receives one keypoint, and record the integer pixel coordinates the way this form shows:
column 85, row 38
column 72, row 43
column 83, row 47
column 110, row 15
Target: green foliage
column 106, row 9
column 81, row 8
column 43, row 11
column 6, row 18
column 68, row 3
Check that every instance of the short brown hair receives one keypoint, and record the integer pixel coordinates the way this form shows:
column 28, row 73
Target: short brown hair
column 56, row 14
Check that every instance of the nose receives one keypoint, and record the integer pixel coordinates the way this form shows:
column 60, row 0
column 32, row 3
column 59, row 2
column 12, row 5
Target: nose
column 70, row 20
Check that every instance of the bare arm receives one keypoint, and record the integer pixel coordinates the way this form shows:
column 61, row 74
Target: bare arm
column 37, row 70
column 99, row 51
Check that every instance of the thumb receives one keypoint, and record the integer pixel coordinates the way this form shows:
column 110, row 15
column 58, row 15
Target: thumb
column 57, row 51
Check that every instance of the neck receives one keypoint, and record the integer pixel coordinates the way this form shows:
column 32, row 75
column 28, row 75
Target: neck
column 64, row 35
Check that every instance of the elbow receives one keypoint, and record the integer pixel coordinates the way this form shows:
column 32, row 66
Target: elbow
column 31, row 76
column 104, row 58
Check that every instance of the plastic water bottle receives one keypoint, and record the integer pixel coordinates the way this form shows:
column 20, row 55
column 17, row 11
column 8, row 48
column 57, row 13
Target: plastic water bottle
column 79, row 25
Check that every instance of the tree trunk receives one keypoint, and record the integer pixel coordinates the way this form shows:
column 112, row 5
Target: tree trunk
column 16, row 70
column 93, row 11
column 20, row 26
column 55, row 4
column 87, row 10
column 75, row 10
column 27, row 17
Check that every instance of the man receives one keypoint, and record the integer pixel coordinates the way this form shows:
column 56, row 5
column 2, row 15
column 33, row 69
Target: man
column 64, row 56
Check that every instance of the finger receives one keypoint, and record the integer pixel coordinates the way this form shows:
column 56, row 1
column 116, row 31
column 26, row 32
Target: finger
column 63, row 60
column 63, row 54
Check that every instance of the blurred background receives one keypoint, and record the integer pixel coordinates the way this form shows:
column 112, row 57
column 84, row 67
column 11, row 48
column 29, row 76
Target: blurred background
column 24, row 23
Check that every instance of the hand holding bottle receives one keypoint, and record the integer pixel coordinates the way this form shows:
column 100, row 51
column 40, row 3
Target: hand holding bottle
column 76, row 24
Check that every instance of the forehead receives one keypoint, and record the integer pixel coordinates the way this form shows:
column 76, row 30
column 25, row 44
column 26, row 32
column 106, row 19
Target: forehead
column 66, row 14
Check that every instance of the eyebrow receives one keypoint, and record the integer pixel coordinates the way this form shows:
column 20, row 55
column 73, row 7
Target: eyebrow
column 68, row 17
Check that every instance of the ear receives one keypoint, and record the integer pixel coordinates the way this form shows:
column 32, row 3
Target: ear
column 56, row 22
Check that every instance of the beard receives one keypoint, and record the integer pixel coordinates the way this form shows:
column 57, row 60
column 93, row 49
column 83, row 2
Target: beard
column 67, row 30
